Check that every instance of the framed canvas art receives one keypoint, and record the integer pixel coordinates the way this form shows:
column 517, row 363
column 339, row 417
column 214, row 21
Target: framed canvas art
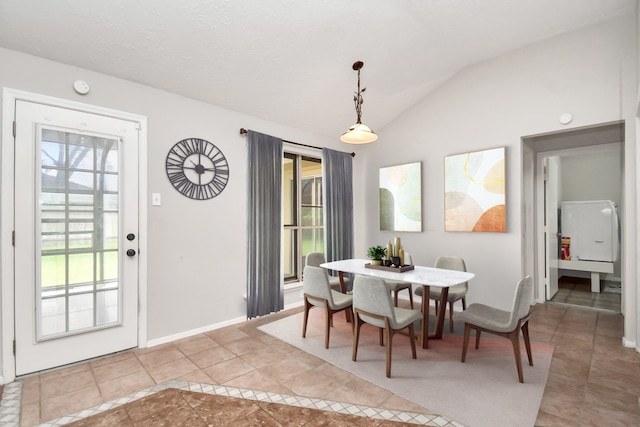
column 401, row 197
column 474, row 191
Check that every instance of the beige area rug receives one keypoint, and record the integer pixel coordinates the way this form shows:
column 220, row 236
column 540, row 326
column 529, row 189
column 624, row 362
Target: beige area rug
column 482, row 392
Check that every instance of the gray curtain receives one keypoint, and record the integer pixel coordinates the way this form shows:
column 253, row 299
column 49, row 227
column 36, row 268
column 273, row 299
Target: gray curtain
column 265, row 287
column 337, row 176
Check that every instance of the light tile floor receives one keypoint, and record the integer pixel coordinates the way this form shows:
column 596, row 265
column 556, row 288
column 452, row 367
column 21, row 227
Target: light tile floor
column 593, row 379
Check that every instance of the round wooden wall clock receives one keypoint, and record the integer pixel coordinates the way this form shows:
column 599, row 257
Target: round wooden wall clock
column 197, row 169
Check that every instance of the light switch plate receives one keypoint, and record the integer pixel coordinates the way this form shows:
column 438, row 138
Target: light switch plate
column 155, row 199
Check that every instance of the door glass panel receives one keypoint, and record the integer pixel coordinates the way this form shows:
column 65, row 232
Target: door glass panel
column 53, row 315
column 80, row 311
column 78, row 287
column 107, row 307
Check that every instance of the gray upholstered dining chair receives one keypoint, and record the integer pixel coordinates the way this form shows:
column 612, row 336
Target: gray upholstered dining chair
column 506, row 324
column 315, row 259
column 396, row 286
column 457, row 292
column 372, row 304
column 318, row 293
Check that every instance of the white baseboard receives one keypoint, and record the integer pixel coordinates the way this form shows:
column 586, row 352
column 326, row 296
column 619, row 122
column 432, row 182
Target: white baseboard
column 294, row 305
column 290, row 289
column 191, row 332
column 629, row 344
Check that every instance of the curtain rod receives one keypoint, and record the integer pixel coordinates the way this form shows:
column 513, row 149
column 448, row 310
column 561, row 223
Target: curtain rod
column 243, row 131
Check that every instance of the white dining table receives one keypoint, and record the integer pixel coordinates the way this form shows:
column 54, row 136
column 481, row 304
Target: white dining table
column 424, row 276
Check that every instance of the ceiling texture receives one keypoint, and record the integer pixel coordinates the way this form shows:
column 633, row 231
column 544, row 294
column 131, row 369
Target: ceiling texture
column 290, row 61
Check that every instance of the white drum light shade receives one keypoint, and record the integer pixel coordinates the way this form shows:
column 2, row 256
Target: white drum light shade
column 358, row 134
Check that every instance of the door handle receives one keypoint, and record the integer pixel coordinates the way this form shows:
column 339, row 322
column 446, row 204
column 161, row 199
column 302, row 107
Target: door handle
column 131, row 252
column 131, row 236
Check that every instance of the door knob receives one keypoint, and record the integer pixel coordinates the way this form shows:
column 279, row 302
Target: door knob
column 131, row 236
column 131, row 252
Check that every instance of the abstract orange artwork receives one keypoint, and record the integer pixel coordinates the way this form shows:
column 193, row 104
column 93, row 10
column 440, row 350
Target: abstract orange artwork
column 474, row 191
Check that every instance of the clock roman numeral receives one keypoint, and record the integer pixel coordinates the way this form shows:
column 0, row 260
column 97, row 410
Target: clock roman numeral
column 174, row 167
column 177, row 153
column 195, row 145
column 219, row 183
column 177, row 178
column 210, row 190
column 219, row 161
column 189, row 147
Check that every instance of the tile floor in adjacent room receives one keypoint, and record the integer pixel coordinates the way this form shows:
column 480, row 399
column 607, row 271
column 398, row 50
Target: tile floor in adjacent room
column 577, row 291
column 593, row 379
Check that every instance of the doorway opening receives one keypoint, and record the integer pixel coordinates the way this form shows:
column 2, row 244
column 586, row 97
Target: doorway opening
column 584, row 164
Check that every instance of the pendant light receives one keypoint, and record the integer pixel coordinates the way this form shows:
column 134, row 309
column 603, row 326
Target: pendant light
column 358, row 133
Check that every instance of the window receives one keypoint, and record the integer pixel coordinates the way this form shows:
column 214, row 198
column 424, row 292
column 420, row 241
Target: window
column 302, row 206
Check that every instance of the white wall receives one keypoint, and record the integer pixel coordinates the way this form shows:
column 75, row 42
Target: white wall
column 592, row 176
column 494, row 104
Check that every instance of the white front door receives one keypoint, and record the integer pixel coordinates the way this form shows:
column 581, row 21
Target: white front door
column 76, row 235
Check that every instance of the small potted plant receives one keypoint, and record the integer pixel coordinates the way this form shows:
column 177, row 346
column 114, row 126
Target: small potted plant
column 377, row 254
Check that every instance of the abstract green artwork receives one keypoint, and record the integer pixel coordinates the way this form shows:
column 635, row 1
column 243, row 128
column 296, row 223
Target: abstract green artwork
column 401, row 197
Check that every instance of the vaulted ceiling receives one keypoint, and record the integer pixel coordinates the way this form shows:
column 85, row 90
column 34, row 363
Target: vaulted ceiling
column 289, row 61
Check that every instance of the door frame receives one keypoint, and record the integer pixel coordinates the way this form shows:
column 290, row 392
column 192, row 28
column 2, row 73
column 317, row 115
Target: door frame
column 7, row 186
column 527, row 218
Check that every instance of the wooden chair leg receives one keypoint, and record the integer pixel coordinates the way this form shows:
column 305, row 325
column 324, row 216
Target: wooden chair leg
column 389, row 339
column 356, row 337
column 327, row 326
column 343, row 289
column 464, row 307
column 352, row 316
column 381, row 332
column 410, row 297
column 412, row 338
column 451, row 317
column 514, row 337
column 307, row 307
column 395, row 298
column 349, row 313
column 465, row 340
column 527, row 343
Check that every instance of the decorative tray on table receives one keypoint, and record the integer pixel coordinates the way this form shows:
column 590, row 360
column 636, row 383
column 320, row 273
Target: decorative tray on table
column 392, row 269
